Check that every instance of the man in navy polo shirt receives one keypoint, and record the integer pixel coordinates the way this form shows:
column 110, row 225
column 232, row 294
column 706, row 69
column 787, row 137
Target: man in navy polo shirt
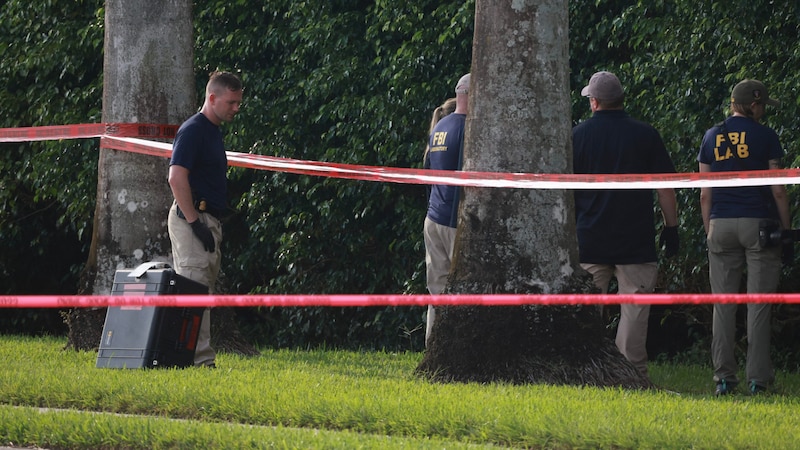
column 616, row 228
column 198, row 179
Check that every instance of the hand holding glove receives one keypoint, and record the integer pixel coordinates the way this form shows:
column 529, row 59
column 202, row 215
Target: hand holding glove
column 204, row 234
column 669, row 238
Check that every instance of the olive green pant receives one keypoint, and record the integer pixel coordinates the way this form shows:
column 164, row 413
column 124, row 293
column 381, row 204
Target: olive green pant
column 733, row 247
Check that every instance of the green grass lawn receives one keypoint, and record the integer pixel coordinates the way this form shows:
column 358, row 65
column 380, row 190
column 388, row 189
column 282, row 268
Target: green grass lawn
column 53, row 398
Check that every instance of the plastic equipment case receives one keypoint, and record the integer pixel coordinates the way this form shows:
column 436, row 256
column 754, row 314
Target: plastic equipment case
column 150, row 336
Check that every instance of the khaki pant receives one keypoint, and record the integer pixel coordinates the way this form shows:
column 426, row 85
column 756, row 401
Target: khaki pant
column 732, row 247
column 439, row 243
column 632, row 330
column 191, row 260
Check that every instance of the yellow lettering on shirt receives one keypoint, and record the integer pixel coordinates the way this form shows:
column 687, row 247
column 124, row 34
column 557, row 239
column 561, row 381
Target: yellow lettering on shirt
column 736, row 139
column 719, row 157
column 743, row 151
column 439, row 137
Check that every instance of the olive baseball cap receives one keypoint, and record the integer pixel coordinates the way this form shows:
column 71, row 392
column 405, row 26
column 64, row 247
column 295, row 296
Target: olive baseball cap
column 749, row 91
column 603, row 86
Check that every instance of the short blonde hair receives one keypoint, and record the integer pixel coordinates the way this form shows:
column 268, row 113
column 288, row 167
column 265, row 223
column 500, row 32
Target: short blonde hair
column 218, row 80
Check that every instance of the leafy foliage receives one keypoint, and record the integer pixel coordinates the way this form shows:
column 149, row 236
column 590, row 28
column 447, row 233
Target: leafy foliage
column 51, row 70
column 355, row 82
column 335, row 81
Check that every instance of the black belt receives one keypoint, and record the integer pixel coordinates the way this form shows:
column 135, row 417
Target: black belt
column 215, row 214
column 201, row 207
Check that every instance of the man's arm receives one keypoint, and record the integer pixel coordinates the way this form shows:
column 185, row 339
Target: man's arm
column 705, row 199
column 781, row 198
column 670, row 238
column 669, row 206
column 179, row 183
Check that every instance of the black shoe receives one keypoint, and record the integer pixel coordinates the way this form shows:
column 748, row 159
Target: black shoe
column 756, row 389
column 725, row 387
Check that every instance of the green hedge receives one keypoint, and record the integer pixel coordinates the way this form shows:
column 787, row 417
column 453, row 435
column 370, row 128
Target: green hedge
column 355, row 82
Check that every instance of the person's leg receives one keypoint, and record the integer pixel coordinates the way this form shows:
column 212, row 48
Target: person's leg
column 723, row 332
column 429, row 319
column 191, row 260
column 759, row 369
column 437, row 256
column 632, row 331
column 439, row 243
column 763, row 275
column 725, row 266
column 601, row 275
column 204, row 354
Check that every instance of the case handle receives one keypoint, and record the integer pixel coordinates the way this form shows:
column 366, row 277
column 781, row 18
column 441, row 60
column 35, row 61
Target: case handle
column 141, row 269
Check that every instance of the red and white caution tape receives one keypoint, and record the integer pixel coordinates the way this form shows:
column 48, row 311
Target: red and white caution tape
column 90, row 130
column 123, row 136
column 476, row 179
column 343, row 300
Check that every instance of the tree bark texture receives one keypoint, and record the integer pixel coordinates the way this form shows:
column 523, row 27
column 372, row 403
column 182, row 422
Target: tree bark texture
column 147, row 78
column 518, row 240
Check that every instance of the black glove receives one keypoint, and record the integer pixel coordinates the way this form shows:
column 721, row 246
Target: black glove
column 787, row 253
column 669, row 238
column 204, row 234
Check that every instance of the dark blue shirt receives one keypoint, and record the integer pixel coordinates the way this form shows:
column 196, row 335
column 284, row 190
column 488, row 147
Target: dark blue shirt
column 617, row 226
column 199, row 147
column 445, row 144
column 746, row 145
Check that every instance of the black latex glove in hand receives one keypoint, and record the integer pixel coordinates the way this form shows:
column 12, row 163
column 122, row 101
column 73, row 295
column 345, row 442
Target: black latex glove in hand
column 204, row 234
column 787, row 253
column 669, row 238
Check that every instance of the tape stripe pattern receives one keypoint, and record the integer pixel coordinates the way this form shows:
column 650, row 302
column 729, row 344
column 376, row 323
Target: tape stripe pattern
column 476, row 179
column 349, row 300
column 125, row 137
column 86, row 131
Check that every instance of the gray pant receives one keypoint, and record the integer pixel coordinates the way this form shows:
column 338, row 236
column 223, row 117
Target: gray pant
column 632, row 330
column 192, row 261
column 732, row 247
column 439, row 243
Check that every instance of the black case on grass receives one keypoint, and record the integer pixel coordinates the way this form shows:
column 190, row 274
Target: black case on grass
column 150, row 336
